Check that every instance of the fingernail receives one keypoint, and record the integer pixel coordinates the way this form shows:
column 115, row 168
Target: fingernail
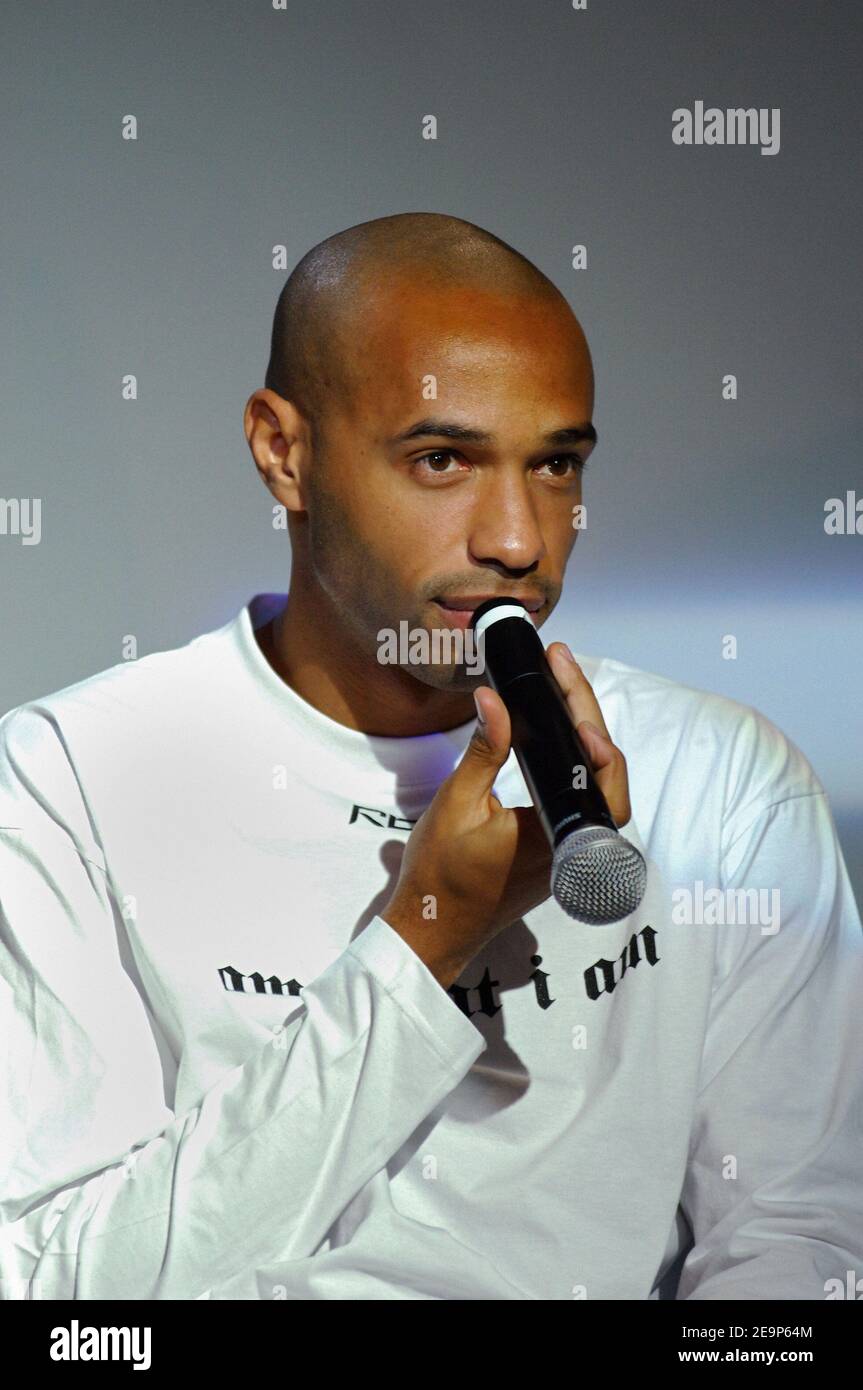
column 568, row 654
column 479, row 714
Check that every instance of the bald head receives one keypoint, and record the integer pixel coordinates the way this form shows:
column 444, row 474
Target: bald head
column 318, row 326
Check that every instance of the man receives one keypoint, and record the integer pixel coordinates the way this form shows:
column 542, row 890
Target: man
column 289, row 1010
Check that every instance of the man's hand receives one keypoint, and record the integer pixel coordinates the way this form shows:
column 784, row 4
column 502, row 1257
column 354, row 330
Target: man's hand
column 472, row 866
column 606, row 760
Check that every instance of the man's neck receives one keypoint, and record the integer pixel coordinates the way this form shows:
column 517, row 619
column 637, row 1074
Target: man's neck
column 343, row 683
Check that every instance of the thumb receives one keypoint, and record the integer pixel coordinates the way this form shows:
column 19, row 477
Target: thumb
column 488, row 748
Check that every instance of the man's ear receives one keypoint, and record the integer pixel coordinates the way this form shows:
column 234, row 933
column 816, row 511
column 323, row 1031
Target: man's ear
column 280, row 441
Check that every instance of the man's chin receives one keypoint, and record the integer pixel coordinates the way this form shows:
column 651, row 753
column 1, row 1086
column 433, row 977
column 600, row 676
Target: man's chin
column 457, row 680
column 442, row 656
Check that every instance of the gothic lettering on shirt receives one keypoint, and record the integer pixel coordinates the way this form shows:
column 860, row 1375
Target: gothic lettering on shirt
column 235, row 983
column 602, row 977
column 605, row 975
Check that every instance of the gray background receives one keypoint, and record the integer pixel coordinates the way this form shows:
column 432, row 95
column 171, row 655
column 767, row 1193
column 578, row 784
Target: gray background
column 259, row 127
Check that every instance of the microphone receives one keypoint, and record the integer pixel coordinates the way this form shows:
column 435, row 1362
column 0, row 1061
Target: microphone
column 597, row 876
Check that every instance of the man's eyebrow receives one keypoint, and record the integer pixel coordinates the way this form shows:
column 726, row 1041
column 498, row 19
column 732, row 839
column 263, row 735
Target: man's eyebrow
column 570, row 434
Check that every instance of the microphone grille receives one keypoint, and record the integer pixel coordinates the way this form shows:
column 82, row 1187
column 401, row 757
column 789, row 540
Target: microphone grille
column 597, row 876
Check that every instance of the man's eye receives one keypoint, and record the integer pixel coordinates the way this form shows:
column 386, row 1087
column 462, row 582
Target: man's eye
column 573, row 461
column 436, row 462
column 434, row 457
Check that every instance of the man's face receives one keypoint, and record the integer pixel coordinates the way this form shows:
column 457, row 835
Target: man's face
column 403, row 529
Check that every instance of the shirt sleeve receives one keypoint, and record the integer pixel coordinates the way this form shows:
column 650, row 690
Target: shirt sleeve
column 104, row 1192
column 774, row 1185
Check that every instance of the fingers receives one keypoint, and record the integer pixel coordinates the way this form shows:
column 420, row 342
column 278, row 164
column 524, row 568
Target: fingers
column 600, row 750
column 492, row 719
column 612, row 774
column 487, row 750
column 607, row 760
column 580, row 698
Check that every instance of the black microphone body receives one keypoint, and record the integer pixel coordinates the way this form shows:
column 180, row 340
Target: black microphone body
column 597, row 875
column 544, row 739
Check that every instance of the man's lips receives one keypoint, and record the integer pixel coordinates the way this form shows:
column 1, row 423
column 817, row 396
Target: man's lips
column 462, row 603
column 460, row 610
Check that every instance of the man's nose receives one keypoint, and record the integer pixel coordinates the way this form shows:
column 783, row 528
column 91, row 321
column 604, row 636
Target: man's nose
column 505, row 530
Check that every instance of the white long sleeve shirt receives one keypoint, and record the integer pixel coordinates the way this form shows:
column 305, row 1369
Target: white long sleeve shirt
column 226, row 1076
